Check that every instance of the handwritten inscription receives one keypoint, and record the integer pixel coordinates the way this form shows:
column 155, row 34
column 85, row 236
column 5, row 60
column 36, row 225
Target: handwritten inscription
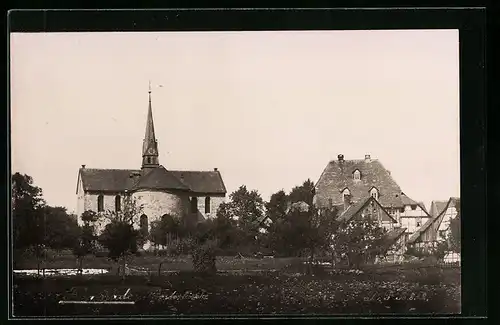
column 184, row 296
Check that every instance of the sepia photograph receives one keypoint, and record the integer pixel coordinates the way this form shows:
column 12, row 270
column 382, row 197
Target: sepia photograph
column 183, row 173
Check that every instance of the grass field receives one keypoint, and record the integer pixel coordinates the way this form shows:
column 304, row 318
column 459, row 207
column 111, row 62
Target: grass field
column 151, row 263
column 378, row 290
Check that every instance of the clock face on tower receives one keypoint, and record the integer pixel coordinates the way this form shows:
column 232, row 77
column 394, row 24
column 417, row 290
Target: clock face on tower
column 151, row 151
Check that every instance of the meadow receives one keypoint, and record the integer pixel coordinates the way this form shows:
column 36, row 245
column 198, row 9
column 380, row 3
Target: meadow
column 275, row 286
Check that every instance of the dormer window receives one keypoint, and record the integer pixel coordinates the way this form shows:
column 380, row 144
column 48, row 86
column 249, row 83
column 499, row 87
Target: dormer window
column 345, row 193
column 374, row 193
column 356, row 175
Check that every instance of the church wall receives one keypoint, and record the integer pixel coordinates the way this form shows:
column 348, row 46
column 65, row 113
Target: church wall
column 156, row 204
column 80, row 201
column 90, row 202
column 215, row 201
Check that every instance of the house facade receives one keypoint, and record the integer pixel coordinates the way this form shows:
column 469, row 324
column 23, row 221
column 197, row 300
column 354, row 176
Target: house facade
column 436, row 229
column 344, row 182
column 158, row 190
column 394, row 241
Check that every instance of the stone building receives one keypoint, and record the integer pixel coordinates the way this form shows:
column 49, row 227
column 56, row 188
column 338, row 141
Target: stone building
column 158, row 190
column 346, row 182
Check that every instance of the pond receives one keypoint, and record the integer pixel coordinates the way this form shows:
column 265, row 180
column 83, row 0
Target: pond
column 65, row 272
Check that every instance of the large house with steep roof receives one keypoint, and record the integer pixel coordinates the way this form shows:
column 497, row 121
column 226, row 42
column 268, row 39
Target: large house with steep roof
column 158, row 190
column 346, row 182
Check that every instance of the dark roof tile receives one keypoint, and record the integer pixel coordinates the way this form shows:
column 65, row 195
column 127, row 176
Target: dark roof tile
column 160, row 179
column 107, row 180
column 119, row 180
column 356, row 207
column 338, row 175
column 202, row 181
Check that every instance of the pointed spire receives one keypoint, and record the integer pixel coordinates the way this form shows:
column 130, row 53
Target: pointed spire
column 150, row 146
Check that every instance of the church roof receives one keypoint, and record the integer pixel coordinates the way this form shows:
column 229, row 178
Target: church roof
column 159, row 179
column 107, row 180
column 119, row 180
column 338, row 175
column 201, row 181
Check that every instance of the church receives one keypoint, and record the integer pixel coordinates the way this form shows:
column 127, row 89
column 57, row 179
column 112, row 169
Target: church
column 158, row 190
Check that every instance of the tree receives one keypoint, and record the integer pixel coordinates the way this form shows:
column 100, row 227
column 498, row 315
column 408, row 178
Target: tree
column 120, row 238
column 61, row 229
column 277, row 206
column 303, row 193
column 247, row 208
column 26, row 215
column 358, row 241
column 163, row 229
column 85, row 243
column 226, row 230
column 455, row 234
column 119, row 235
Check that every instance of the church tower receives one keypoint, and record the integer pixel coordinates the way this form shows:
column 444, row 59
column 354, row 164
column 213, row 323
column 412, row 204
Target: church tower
column 150, row 145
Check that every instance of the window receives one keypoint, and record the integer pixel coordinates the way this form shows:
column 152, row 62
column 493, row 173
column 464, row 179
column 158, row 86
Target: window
column 144, row 224
column 194, row 204
column 356, row 175
column 345, row 194
column 100, row 203
column 413, row 207
column 118, row 203
column 374, row 193
column 207, row 204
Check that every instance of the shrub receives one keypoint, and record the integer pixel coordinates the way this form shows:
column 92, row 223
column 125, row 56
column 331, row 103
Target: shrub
column 204, row 258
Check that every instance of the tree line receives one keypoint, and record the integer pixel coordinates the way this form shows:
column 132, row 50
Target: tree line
column 287, row 225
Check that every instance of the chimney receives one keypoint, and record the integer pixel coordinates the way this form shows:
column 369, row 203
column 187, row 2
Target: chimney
column 340, row 157
column 83, row 166
column 215, row 169
column 347, row 201
column 368, row 158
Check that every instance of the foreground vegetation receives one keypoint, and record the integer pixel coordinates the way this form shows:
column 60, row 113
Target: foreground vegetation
column 387, row 290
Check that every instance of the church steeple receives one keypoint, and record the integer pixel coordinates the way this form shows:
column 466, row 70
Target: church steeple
column 150, row 145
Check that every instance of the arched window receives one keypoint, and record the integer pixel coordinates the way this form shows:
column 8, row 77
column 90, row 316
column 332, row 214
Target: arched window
column 118, row 203
column 207, row 204
column 356, row 175
column 194, row 204
column 143, row 223
column 100, row 203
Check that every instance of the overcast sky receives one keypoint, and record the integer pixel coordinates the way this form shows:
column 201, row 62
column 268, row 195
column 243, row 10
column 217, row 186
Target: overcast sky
column 269, row 109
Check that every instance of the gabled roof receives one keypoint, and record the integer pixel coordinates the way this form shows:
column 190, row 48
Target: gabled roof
column 407, row 201
column 119, row 180
column 202, row 181
column 438, row 218
column 355, row 208
column 437, row 207
column 106, row 180
column 337, row 175
column 159, row 179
